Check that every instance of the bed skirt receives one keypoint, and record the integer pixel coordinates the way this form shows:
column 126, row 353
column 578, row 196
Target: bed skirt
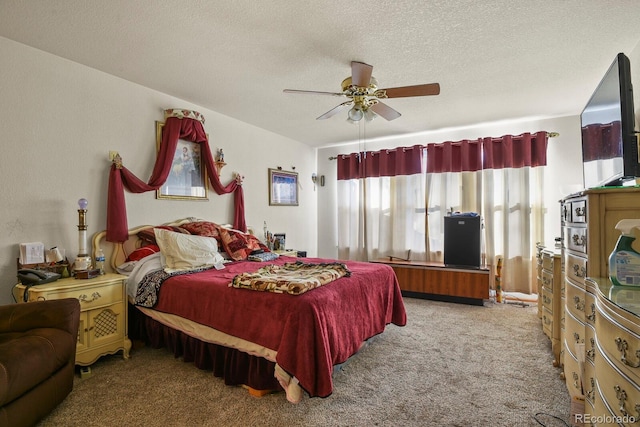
column 235, row 367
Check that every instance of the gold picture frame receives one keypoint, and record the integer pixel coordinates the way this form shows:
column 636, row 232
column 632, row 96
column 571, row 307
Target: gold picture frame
column 187, row 179
column 283, row 188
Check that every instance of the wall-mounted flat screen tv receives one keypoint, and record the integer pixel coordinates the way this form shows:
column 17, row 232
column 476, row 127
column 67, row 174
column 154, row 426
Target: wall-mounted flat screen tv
column 609, row 144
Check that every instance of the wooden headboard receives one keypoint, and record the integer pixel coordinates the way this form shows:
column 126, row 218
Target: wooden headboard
column 116, row 253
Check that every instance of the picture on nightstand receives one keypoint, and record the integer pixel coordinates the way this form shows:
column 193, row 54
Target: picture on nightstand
column 279, row 241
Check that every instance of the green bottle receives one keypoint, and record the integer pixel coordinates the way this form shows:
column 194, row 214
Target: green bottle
column 624, row 261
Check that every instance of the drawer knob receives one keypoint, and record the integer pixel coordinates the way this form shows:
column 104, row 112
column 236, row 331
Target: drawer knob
column 623, row 347
column 579, row 271
column 592, row 316
column 84, row 298
column 579, row 240
column 579, row 305
column 621, row 395
column 591, row 354
column 576, row 337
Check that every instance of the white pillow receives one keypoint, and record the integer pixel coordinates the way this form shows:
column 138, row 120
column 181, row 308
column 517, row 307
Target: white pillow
column 182, row 252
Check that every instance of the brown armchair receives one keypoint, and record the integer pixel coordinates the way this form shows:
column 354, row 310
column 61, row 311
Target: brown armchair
column 37, row 358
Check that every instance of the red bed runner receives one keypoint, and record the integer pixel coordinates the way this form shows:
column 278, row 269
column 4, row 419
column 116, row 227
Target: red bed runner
column 311, row 332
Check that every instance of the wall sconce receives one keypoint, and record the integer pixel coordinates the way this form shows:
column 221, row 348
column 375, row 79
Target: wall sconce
column 314, row 179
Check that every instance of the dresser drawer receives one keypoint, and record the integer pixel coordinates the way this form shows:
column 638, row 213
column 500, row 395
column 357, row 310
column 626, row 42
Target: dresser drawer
column 619, row 394
column 547, row 299
column 572, row 373
column 576, row 239
column 575, row 267
column 575, row 300
column 547, row 260
column 574, row 332
column 547, row 279
column 621, row 345
column 89, row 296
column 579, row 211
column 547, row 322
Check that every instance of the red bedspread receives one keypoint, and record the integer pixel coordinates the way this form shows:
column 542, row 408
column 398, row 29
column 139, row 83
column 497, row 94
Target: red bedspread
column 311, row 332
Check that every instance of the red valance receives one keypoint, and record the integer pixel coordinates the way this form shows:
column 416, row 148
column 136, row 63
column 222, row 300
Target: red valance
column 526, row 150
column 120, row 177
column 461, row 156
column 398, row 161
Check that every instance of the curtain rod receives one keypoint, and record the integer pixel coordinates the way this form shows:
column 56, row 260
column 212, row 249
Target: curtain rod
column 549, row 134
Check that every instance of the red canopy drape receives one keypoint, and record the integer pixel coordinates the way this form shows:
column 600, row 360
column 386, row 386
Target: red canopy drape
column 399, row 161
column 175, row 128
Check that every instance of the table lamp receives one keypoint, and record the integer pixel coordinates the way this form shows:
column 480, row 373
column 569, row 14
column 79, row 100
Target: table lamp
column 83, row 260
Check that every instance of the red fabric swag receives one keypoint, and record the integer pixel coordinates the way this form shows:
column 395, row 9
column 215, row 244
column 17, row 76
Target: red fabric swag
column 121, row 178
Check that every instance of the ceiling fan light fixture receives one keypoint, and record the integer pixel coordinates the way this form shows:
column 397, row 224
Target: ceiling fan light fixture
column 369, row 115
column 356, row 114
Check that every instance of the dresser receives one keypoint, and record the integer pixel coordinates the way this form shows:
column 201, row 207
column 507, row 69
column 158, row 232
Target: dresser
column 589, row 236
column 550, row 297
column 103, row 318
column 617, row 364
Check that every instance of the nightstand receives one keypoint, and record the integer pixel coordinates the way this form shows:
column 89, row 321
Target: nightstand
column 103, row 318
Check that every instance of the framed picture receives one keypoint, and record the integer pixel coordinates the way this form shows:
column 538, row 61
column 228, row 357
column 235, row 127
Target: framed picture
column 279, row 241
column 187, row 179
column 283, row 188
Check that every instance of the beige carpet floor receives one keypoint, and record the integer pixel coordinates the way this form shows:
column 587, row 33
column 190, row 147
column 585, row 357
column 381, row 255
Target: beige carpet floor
column 452, row 365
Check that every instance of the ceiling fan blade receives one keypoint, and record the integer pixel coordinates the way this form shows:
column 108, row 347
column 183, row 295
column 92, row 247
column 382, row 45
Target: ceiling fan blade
column 385, row 111
column 313, row 92
column 417, row 90
column 360, row 74
column 335, row 110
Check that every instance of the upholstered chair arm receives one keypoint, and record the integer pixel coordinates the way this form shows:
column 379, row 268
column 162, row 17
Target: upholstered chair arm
column 60, row 314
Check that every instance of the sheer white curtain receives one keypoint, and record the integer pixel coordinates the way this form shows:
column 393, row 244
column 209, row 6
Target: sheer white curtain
column 513, row 217
column 384, row 214
column 513, row 207
column 453, row 184
column 446, row 192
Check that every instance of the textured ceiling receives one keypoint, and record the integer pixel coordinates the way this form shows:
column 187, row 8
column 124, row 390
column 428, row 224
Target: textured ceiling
column 494, row 60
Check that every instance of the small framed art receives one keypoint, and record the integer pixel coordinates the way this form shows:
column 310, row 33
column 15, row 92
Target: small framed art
column 283, row 188
column 187, row 178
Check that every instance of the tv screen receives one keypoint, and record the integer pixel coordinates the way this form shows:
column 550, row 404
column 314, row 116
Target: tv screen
column 609, row 147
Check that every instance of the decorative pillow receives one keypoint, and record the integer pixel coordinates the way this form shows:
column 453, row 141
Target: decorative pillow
column 142, row 252
column 149, row 238
column 182, row 252
column 239, row 245
column 202, row 228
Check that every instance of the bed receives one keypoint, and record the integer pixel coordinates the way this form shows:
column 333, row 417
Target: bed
column 215, row 316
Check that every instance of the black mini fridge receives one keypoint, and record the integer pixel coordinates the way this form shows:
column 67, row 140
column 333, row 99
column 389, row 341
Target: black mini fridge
column 462, row 241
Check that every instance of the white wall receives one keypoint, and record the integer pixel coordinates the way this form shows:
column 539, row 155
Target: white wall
column 59, row 120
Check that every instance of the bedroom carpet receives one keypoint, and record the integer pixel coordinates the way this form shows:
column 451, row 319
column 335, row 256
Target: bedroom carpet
column 452, row 365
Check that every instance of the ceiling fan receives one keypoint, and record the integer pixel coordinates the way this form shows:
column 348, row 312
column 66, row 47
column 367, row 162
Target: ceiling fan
column 364, row 96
